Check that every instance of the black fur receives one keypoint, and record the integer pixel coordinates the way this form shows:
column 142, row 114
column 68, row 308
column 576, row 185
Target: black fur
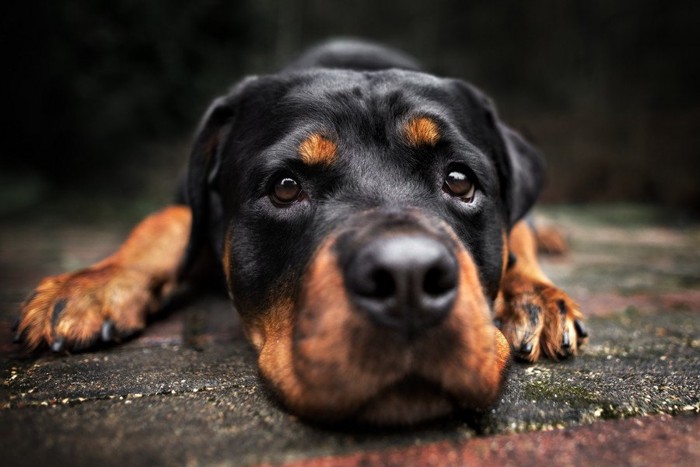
column 360, row 96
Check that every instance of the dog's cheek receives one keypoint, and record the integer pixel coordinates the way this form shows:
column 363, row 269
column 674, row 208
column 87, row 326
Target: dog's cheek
column 270, row 332
column 265, row 260
column 254, row 332
column 304, row 349
column 475, row 372
column 329, row 344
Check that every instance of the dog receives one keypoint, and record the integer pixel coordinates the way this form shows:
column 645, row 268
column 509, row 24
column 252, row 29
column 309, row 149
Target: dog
column 370, row 223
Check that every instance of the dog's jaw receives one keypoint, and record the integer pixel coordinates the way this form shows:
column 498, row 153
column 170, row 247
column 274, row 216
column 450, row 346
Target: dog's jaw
column 327, row 362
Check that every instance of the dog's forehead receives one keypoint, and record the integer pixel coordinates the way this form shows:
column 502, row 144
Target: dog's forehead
column 308, row 110
column 346, row 98
column 376, row 84
column 343, row 100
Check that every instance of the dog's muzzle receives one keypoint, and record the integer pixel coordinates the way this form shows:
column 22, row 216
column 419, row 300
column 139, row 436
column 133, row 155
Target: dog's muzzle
column 391, row 327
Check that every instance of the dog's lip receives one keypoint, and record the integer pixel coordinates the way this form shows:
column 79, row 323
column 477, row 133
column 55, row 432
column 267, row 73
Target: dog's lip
column 410, row 399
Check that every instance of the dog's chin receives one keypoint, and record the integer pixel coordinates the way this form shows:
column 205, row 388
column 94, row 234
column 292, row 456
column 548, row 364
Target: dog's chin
column 410, row 401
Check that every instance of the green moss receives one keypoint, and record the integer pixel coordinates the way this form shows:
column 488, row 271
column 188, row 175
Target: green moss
column 575, row 396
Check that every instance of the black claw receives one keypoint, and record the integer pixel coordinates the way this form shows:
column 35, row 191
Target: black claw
column 566, row 341
column 57, row 310
column 512, row 259
column 108, row 331
column 58, row 344
column 562, row 306
column 580, row 328
column 526, row 348
column 19, row 337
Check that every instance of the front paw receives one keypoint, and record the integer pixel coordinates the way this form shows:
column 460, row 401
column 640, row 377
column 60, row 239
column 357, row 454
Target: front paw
column 541, row 321
column 74, row 311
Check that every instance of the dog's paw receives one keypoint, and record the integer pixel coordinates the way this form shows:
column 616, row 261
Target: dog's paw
column 76, row 310
column 540, row 320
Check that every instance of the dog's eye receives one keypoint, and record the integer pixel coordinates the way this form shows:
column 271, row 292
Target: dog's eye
column 286, row 190
column 457, row 184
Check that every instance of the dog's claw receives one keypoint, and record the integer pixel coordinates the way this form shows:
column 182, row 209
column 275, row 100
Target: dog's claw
column 580, row 329
column 566, row 341
column 562, row 306
column 57, row 311
column 19, row 337
column 108, row 331
column 58, row 344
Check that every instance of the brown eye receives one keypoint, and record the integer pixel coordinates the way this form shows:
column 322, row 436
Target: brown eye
column 458, row 184
column 286, row 190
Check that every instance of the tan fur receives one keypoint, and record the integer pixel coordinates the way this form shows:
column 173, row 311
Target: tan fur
column 122, row 288
column 525, row 286
column 422, row 131
column 227, row 259
column 551, row 241
column 317, row 149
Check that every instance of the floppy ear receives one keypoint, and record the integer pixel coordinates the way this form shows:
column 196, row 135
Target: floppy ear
column 527, row 168
column 202, row 177
column 520, row 166
column 202, row 185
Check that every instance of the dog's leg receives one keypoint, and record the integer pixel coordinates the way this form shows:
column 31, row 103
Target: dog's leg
column 537, row 318
column 112, row 298
column 550, row 240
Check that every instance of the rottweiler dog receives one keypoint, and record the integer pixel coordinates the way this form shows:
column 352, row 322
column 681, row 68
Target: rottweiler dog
column 369, row 222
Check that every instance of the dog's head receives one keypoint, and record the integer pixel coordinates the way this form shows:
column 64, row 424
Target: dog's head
column 362, row 221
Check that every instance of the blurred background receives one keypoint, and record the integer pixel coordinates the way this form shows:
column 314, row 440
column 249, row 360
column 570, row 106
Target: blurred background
column 101, row 97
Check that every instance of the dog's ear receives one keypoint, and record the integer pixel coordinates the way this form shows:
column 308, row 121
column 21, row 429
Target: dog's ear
column 520, row 166
column 202, row 177
column 526, row 179
column 202, row 184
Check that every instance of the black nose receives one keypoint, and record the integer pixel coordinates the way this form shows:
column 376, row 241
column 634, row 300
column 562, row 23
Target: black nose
column 405, row 282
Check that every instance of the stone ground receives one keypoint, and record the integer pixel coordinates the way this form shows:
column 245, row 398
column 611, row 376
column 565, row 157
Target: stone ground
column 186, row 391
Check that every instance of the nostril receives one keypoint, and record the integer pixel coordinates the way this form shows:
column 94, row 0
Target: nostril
column 371, row 282
column 439, row 280
column 383, row 284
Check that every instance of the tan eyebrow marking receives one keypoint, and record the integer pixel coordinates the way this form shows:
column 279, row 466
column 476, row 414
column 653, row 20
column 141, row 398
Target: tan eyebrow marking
column 317, row 149
column 421, row 131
